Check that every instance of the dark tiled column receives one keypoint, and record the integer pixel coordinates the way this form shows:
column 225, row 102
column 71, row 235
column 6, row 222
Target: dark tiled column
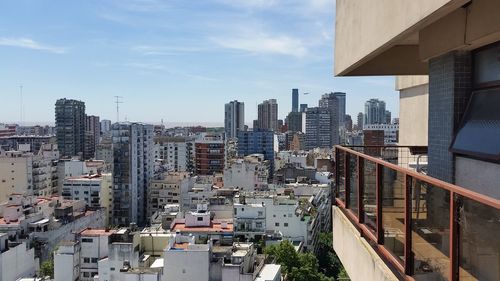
column 449, row 91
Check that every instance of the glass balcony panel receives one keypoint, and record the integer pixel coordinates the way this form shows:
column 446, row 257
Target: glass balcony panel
column 393, row 212
column 341, row 174
column 369, row 194
column 353, row 184
column 479, row 242
column 430, row 229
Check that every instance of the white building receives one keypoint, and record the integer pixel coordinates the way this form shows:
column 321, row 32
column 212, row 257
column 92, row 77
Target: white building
column 248, row 173
column 67, row 261
column 174, row 151
column 270, row 272
column 167, row 190
column 391, row 132
column 95, row 190
column 249, row 220
column 186, row 261
column 17, row 260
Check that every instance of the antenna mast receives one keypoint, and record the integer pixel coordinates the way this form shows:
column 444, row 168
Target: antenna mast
column 21, row 106
column 118, row 101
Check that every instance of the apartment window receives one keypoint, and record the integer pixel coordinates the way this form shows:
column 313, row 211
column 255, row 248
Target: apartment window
column 260, row 213
column 86, row 274
column 200, row 218
column 94, row 260
column 285, row 224
column 86, row 260
column 87, row 240
column 277, row 224
column 258, row 225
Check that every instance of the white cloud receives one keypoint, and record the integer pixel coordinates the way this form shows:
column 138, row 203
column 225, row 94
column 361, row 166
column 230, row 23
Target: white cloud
column 149, row 50
column 263, row 43
column 28, row 43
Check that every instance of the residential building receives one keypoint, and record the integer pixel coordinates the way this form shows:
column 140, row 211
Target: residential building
column 388, row 119
column 132, row 171
column 303, row 107
column 105, row 127
column 27, row 143
column 375, row 112
column 267, row 115
column 96, row 190
column 104, row 152
column 167, row 191
column 390, row 133
column 446, row 53
column 234, row 118
column 67, row 261
column 360, row 122
column 249, row 220
column 70, row 127
column 17, row 259
column 294, row 121
column 318, row 128
column 28, row 173
column 70, row 168
column 7, row 130
column 92, row 135
column 175, row 152
column 209, row 154
column 348, row 123
column 257, row 141
column 341, row 100
column 180, row 256
column 247, row 173
column 334, row 102
column 295, row 100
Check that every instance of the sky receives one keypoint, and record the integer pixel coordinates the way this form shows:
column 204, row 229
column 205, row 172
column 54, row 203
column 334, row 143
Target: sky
column 176, row 60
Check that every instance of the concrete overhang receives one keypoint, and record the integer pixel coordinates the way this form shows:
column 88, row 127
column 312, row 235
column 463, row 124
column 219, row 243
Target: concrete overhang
column 398, row 37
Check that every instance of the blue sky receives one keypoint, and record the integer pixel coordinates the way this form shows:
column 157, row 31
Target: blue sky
column 179, row 60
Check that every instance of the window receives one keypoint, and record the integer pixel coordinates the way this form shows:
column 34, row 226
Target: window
column 87, row 240
column 258, row 225
column 286, row 224
column 86, row 260
column 200, row 218
column 479, row 133
column 112, row 269
column 94, row 260
column 277, row 224
column 260, row 213
column 86, row 274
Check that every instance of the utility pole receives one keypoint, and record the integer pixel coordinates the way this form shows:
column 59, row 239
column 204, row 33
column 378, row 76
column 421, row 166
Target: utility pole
column 118, row 101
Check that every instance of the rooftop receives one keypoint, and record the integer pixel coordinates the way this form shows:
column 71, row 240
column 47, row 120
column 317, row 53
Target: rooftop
column 214, row 227
column 97, row 232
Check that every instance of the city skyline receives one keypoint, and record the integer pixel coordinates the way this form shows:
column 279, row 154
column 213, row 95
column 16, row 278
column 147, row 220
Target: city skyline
column 161, row 61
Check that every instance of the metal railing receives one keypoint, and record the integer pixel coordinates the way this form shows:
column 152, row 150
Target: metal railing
column 425, row 228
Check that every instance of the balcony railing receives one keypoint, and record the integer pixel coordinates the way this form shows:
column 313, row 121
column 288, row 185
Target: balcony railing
column 427, row 229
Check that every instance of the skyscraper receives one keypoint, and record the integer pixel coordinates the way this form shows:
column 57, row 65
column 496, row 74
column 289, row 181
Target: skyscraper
column 294, row 121
column 374, row 112
column 105, row 126
column 92, row 135
column 331, row 102
column 341, row 107
column 388, row 118
column 132, row 171
column 318, row 128
column 360, row 121
column 295, row 100
column 234, row 118
column 70, row 127
column 303, row 107
column 267, row 115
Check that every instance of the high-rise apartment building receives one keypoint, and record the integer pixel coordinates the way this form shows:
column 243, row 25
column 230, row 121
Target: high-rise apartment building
column 360, row 121
column 374, row 112
column 331, row 102
column 294, row 121
column 257, row 141
column 388, row 118
column 105, row 126
column 318, row 128
column 132, row 171
column 295, row 100
column 234, row 118
column 341, row 107
column 209, row 154
column 92, row 135
column 70, row 127
column 303, row 107
column 267, row 115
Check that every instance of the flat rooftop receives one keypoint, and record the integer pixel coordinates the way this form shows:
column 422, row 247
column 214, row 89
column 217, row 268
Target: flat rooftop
column 90, row 232
column 215, row 227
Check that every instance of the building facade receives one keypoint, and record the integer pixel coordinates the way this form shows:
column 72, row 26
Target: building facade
column 209, row 155
column 132, row 171
column 257, row 142
column 295, row 100
column 70, row 127
column 318, row 124
column 92, row 135
column 375, row 112
column 267, row 115
column 234, row 118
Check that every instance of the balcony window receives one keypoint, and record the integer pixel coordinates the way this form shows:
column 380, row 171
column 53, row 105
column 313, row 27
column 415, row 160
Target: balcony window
column 479, row 134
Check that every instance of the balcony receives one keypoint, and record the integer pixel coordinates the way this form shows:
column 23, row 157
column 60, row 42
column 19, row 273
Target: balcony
column 421, row 228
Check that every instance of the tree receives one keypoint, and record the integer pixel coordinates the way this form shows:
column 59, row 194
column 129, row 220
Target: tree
column 329, row 262
column 297, row 266
column 47, row 268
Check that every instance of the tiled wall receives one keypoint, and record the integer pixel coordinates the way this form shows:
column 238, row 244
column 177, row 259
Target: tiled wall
column 449, row 91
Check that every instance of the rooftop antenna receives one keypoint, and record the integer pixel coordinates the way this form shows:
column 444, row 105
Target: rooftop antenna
column 21, row 106
column 118, row 101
